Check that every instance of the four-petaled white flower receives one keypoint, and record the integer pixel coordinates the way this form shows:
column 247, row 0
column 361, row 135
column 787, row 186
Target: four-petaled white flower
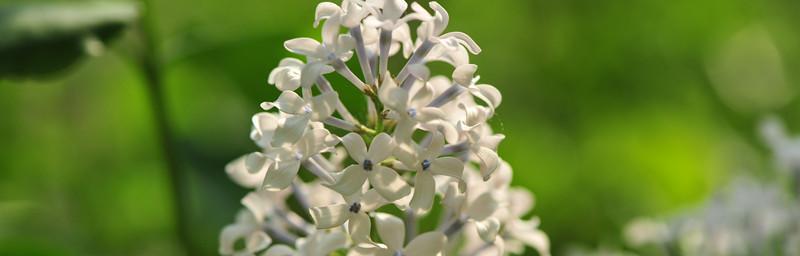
column 385, row 180
column 354, row 212
column 392, row 232
column 427, row 162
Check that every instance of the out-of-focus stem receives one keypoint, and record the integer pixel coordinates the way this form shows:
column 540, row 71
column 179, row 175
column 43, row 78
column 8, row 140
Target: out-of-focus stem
column 796, row 182
column 150, row 64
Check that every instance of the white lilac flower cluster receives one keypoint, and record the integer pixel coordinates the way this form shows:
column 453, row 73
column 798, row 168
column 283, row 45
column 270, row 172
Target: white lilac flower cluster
column 749, row 217
column 422, row 137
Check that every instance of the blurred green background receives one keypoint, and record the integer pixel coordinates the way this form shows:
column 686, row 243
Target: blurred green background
column 612, row 110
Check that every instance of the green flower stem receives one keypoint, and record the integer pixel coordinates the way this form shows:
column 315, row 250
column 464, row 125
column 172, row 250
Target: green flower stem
column 150, row 64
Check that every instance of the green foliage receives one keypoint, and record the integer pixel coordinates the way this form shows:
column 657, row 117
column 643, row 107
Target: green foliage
column 41, row 39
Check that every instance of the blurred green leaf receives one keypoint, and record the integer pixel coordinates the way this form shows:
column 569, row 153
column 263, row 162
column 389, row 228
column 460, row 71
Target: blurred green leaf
column 42, row 39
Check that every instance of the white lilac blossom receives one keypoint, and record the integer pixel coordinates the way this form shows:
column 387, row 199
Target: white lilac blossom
column 322, row 178
column 785, row 148
column 747, row 218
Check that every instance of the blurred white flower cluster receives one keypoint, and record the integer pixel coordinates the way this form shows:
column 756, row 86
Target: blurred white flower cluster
column 423, row 137
column 749, row 217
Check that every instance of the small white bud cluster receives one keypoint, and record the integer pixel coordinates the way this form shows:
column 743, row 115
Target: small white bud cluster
column 422, row 137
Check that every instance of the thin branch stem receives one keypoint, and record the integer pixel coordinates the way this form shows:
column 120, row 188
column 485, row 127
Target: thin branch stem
column 150, row 64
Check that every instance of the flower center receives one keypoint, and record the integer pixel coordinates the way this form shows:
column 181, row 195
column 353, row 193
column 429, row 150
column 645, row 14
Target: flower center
column 355, row 207
column 426, row 164
column 367, row 165
column 412, row 112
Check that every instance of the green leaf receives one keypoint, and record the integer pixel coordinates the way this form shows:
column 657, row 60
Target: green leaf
column 42, row 39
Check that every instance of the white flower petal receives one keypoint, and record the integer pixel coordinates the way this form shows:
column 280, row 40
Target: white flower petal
column 488, row 161
column 483, row 206
column 446, row 128
column 441, row 18
column 259, row 206
column 312, row 71
column 464, row 40
column 324, row 11
column 371, row 201
column 281, row 175
column 351, row 180
column 257, row 241
column 356, row 147
column 463, row 74
column 419, row 71
column 489, row 94
column 448, row 166
column 291, row 130
column 326, row 242
column 522, row 201
column 488, row 229
column 323, row 105
column 426, row 244
column 288, row 102
column 237, row 171
column 388, row 183
column 381, row 148
column 254, row 162
column 303, row 46
column 424, row 192
column 391, row 229
column 330, row 31
column 534, row 238
column 423, row 94
column 287, row 75
column 360, row 227
column 330, row 216
column 279, row 250
column 228, row 237
column 393, row 96
column 393, row 9
column 428, row 114
column 264, row 127
column 454, row 197
column 353, row 15
column 402, row 133
column 434, row 149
